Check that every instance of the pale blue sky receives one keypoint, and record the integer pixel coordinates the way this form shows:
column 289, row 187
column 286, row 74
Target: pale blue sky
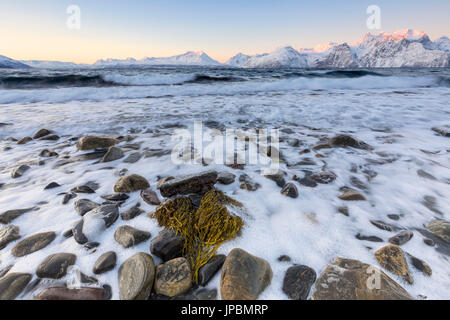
column 36, row 29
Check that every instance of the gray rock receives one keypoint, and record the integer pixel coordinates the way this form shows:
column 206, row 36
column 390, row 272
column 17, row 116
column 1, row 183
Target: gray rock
column 19, row 171
column 8, row 235
column 167, row 245
column 298, row 281
column 290, row 190
column 173, row 278
column 4, row 271
column 347, row 279
column 33, row 243
column 348, row 141
column 113, row 154
column 52, row 137
column 24, row 140
column 83, row 206
column 116, row 197
column 131, row 213
column 47, row 154
column 105, row 263
column 277, row 177
column 226, row 178
column 8, row 216
column 244, row 277
column 83, row 189
column 107, row 214
column 443, row 130
column 13, row 284
column 136, row 277
column 401, row 238
column 150, row 197
column 196, row 183
column 323, row 177
column 42, row 133
column 55, row 266
column 384, row 226
column 133, row 157
column 52, row 185
column 128, row 236
column 207, row 272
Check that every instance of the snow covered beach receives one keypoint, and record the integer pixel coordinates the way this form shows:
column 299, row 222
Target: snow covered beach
column 404, row 177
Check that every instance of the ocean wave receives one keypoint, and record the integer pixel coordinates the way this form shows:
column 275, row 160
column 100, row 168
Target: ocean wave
column 54, row 81
column 222, row 88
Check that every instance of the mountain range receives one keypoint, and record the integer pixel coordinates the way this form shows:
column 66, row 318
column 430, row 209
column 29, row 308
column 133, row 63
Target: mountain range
column 404, row 48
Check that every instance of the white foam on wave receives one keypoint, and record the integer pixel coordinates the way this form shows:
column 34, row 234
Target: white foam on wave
column 147, row 80
column 99, row 94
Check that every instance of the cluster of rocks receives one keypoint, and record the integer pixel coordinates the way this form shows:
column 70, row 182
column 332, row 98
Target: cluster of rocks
column 243, row 276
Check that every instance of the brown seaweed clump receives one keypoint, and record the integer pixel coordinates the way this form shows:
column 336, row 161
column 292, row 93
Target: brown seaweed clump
column 204, row 229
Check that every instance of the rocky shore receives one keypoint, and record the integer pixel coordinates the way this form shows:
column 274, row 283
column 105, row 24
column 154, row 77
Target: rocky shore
column 137, row 235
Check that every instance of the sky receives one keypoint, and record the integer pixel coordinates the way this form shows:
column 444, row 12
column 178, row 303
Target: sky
column 37, row 29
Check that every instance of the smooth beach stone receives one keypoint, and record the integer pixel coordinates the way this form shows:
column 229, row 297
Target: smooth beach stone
column 68, row 197
column 83, row 206
column 113, row 154
column 52, row 185
column 42, row 133
column 131, row 213
column 55, row 266
column 195, row 183
column 12, row 285
column 128, row 236
column 209, row 270
column 133, row 157
column 116, row 197
column 348, row 141
column 420, row 265
column 8, row 216
column 244, row 276
column 52, row 137
column 368, row 238
column 83, row 189
column 290, row 190
column 441, row 229
column 131, row 183
column 393, row 259
column 136, row 277
column 347, row 279
column 47, row 153
column 352, row 195
column 443, row 130
column 72, row 294
column 401, row 238
column 24, row 140
column 323, row 177
column 19, row 171
column 384, row 226
column 277, row 177
column 298, row 281
column 105, row 262
column 8, row 235
column 33, row 243
column 150, row 197
column 167, row 245
column 95, row 142
column 173, row 278
column 226, row 178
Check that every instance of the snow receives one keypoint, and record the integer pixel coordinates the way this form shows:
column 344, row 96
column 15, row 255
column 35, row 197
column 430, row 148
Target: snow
column 285, row 57
column 9, row 63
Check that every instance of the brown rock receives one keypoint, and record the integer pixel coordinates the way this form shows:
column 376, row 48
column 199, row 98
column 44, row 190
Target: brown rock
column 347, row 279
column 131, row 183
column 352, row 195
column 80, row 294
column 393, row 259
column 150, row 197
column 24, row 140
column 41, row 133
column 95, row 142
column 173, row 278
column 136, row 277
column 244, row 277
column 33, row 243
column 13, row 284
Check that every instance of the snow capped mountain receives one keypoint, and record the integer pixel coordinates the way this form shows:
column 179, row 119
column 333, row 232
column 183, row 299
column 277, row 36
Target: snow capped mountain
column 42, row 64
column 405, row 48
column 238, row 60
column 189, row 58
column 285, row 57
column 8, row 63
column 340, row 56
